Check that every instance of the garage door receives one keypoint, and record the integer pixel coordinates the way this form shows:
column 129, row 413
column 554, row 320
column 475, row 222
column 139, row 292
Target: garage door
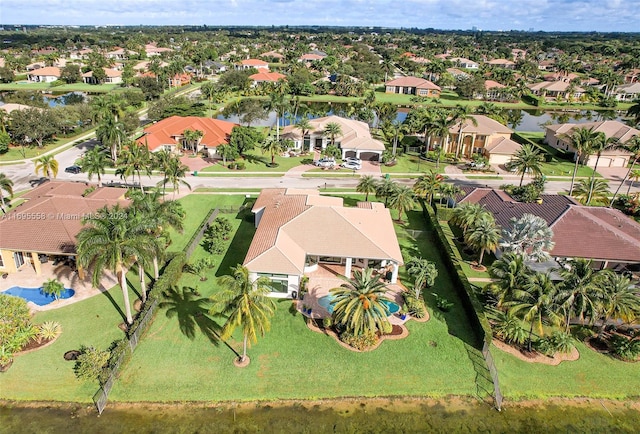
column 370, row 156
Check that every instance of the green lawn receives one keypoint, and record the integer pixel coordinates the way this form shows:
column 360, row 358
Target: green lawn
column 410, row 163
column 77, row 87
column 59, row 144
column 255, row 161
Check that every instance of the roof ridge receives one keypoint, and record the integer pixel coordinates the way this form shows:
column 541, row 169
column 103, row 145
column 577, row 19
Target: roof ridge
column 584, row 210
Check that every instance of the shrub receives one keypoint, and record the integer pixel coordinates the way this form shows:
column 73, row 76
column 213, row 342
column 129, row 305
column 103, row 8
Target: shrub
column 90, row 363
column 49, row 330
column 200, row 267
column 415, row 306
column 53, row 287
column 387, row 328
column 507, row 327
column 442, row 303
column 327, row 322
column 360, row 342
column 558, row 342
column 625, row 348
column 16, row 329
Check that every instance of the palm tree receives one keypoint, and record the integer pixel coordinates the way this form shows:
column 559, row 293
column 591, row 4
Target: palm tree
column 427, row 185
column 510, row 273
column 110, row 242
column 600, row 144
column 527, row 159
column 193, row 138
column 366, row 185
column 6, row 185
column 424, row 273
column 278, row 103
column 449, row 191
column 402, row 200
column 529, row 236
column 439, row 125
column 304, row 125
column 466, row 214
column 582, row 141
column 394, row 132
column 226, row 151
column 579, row 290
column 111, row 133
column 160, row 161
column 357, row 303
column 632, row 146
column 135, row 160
column 175, row 174
column 633, row 177
column 460, row 115
column 535, row 302
column 385, row 189
column 618, row 299
column 273, row 146
column 483, row 236
column 47, row 164
column 94, row 162
column 332, row 130
column 634, row 112
column 246, row 304
column 599, row 191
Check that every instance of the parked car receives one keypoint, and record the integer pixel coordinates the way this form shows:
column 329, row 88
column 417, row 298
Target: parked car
column 353, row 160
column 73, row 169
column 325, row 162
column 351, row 165
column 476, row 165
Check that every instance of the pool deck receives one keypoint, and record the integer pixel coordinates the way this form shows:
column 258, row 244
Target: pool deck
column 326, row 278
column 26, row 277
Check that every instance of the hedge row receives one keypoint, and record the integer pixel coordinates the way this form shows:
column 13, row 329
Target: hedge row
column 170, row 275
column 472, row 306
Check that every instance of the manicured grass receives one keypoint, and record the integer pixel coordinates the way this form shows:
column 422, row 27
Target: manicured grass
column 257, row 162
column 79, row 87
column 410, row 163
column 565, row 168
column 59, row 145
column 593, row 374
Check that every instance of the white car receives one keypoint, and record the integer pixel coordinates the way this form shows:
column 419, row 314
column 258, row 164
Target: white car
column 353, row 160
column 351, row 165
column 325, row 162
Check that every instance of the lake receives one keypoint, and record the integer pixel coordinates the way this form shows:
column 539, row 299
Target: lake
column 392, row 415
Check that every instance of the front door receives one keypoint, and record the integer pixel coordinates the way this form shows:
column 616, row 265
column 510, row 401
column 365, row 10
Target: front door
column 18, row 258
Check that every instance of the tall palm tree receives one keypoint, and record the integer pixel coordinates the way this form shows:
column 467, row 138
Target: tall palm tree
column 449, row 191
column 357, row 303
column 579, row 290
column 618, row 299
column 527, row 159
column 529, row 236
column 112, row 134
column 394, row 132
column 600, row 144
column 47, row 164
column 160, row 161
column 332, row 130
column 304, row 125
column 439, row 125
column 632, row 146
column 246, row 304
column 110, row 242
column 193, row 138
column 175, row 174
column 582, row 141
column 535, row 303
column 599, row 191
column 226, row 151
column 273, row 146
column 460, row 115
column 385, row 189
column 6, row 185
column 94, row 162
column 278, row 103
column 511, row 273
column 135, row 160
column 424, row 273
column 483, row 236
column 402, row 200
column 427, row 185
column 366, row 185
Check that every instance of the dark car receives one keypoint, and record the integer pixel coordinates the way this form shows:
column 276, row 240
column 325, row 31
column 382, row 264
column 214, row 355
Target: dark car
column 73, row 169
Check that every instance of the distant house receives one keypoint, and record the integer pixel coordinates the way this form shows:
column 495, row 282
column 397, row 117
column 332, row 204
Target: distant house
column 487, row 137
column 288, row 242
column 604, row 235
column 119, row 54
column 557, row 89
column 502, row 63
column 266, row 77
column 44, row 75
column 258, row 64
column 354, row 141
column 180, row 80
column 215, row 67
column 168, row 134
column 57, row 208
column 493, row 90
column 309, row 58
column 461, row 62
column 152, row 50
column 273, row 55
column 627, row 92
column 558, row 136
column 413, row 86
column 112, row 77
column 80, row 54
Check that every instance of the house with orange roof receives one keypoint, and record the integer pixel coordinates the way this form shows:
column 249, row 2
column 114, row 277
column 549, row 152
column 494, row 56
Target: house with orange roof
column 288, row 244
column 273, row 55
column 501, row 63
column 266, row 77
column 309, row 58
column 558, row 136
column 152, row 50
column 47, row 74
column 413, row 86
column 180, row 80
column 258, row 64
column 354, row 139
column 168, row 134
column 492, row 90
column 112, row 76
column 47, row 223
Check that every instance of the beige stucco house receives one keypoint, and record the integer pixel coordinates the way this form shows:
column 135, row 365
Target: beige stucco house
column 413, row 86
column 298, row 230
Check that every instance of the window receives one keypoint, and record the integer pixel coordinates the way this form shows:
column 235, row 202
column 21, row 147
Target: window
column 18, row 259
column 278, row 282
column 330, row 260
column 1, row 261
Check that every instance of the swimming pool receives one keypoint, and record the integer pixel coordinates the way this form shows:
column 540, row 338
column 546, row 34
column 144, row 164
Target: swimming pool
column 325, row 302
column 37, row 295
column 392, row 307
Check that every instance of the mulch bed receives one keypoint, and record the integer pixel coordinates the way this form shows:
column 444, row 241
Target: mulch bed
column 535, row 357
column 597, row 345
column 34, row 345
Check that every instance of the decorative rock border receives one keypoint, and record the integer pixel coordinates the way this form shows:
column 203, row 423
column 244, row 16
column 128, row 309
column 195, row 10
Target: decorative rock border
column 539, row 358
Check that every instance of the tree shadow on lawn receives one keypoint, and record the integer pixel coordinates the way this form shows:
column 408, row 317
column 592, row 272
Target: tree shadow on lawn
column 255, row 159
column 239, row 243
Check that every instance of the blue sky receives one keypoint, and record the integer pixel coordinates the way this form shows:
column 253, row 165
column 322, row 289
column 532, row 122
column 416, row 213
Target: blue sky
column 548, row 15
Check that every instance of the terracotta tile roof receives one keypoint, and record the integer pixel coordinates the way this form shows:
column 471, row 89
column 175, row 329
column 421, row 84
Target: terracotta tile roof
column 168, row 131
column 490, row 84
column 503, row 146
column 108, row 72
column 294, row 223
column 419, row 83
column 48, row 70
column 50, row 219
column 311, row 56
column 610, row 129
column 254, row 62
column 267, row 76
column 485, row 126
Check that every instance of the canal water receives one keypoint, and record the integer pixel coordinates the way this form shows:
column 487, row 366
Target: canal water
column 452, row 415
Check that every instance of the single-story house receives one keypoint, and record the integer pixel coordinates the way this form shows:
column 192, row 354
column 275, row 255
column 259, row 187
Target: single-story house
column 462, row 62
column 47, row 223
column 558, row 136
column 557, row 89
column 299, row 230
column 273, row 55
column 112, row 76
column 153, row 50
column 215, row 67
column 487, row 137
column 501, row 63
column 493, row 90
column 47, row 74
column 309, row 58
column 413, row 86
column 258, row 64
column 119, row 54
column 627, row 92
column 266, row 77
column 605, row 235
column 354, row 140
column 168, row 134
